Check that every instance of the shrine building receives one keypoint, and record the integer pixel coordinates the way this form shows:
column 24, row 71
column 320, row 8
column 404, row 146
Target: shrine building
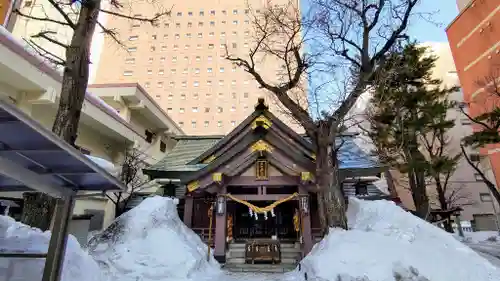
column 255, row 186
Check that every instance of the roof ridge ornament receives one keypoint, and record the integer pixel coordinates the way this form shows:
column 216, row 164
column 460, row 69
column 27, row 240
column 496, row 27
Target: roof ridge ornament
column 261, row 121
column 261, row 105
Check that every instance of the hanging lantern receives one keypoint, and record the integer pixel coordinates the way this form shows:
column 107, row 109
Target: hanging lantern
column 221, row 205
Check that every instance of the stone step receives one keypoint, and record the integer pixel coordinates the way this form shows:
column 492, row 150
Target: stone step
column 241, row 254
column 241, row 260
column 264, row 268
column 282, row 245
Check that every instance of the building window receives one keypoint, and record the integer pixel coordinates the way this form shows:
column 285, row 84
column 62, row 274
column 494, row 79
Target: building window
column 235, row 12
column 169, row 110
column 478, row 177
column 176, row 47
column 200, row 35
column 221, row 69
column 223, row 22
column 170, row 96
column 233, row 69
column 150, row 71
column 172, row 84
column 133, row 38
column 247, row 33
column 233, row 123
column 211, row 33
column 183, row 96
column 177, row 36
column 224, row 12
column 220, row 109
column 200, row 24
column 210, row 46
column 190, row 24
column 209, row 70
column 222, row 46
column 212, row 12
column 184, row 84
column 153, row 37
column 162, row 59
column 207, row 109
column 233, row 95
column 212, row 23
column 219, row 124
column 234, row 45
column 245, row 95
column 233, row 108
column 361, row 189
column 146, row 84
column 196, row 70
column 475, row 157
column 174, row 59
column 160, row 72
column 163, row 146
column 234, row 33
column 130, row 60
column 209, row 58
column 206, row 123
column 195, row 96
column 198, row 58
column 247, row 11
column 485, row 197
column 173, row 70
column 235, row 22
column 185, row 71
column 132, row 49
column 221, row 82
column 209, row 82
column 202, row 13
column 247, row 21
column 195, row 109
column 179, row 14
column 188, row 35
column 181, row 110
column 149, row 136
column 196, row 83
column 193, row 124
column 181, row 124
column 163, row 48
column 222, row 34
column 128, row 73
column 198, row 46
column 190, row 14
column 160, row 84
column 152, row 48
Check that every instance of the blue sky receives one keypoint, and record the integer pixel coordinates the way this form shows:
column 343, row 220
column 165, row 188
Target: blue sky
column 443, row 12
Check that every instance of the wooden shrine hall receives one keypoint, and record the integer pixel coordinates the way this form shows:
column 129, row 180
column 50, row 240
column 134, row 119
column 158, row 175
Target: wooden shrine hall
column 254, row 188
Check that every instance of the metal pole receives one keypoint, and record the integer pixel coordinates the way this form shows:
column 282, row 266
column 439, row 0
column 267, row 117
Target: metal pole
column 57, row 246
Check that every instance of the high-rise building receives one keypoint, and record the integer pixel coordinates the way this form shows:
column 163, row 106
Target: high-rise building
column 182, row 62
column 474, row 39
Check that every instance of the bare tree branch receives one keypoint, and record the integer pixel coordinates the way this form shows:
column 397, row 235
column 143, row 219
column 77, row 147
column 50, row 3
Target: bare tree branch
column 44, row 19
column 59, row 9
column 44, row 35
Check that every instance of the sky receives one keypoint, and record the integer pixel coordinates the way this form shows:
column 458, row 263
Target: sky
column 442, row 11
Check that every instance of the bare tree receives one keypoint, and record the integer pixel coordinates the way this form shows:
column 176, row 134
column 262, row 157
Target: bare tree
column 344, row 38
column 133, row 178
column 81, row 17
column 487, row 124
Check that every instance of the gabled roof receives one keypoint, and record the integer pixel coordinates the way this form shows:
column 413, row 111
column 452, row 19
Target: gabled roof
column 191, row 152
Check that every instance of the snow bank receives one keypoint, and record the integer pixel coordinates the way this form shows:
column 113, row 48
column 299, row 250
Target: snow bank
column 385, row 240
column 150, row 242
column 19, row 238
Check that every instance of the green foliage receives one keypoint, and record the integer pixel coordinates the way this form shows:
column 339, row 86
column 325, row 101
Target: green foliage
column 489, row 124
column 408, row 114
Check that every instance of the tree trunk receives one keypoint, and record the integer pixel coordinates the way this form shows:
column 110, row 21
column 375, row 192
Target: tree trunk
column 37, row 210
column 419, row 194
column 73, row 90
column 327, row 177
column 443, row 204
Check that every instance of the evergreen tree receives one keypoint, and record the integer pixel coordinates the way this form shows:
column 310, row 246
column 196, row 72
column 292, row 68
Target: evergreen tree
column 408, row 124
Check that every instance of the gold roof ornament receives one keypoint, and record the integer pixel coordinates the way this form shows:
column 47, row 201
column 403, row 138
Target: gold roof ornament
column 193, row 185
column 305, row 176
column 261, row 121
column 209, row 159
column 261, row 146
column 217, row 177
column 313, row 156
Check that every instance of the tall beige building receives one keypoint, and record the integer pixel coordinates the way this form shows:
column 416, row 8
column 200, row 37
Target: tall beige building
column 182, row 64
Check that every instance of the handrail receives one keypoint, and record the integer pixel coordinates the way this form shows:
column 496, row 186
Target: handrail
column 23, row 255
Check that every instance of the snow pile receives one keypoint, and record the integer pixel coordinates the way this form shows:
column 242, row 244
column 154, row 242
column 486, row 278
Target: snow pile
column 480, row 237
column 16, row 237
column 385, row 241
column 150, row 242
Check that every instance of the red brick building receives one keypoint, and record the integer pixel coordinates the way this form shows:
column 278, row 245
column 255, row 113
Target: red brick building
column 474, row 38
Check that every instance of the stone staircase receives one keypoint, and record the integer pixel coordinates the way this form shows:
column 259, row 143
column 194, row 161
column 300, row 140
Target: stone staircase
column 235, row 259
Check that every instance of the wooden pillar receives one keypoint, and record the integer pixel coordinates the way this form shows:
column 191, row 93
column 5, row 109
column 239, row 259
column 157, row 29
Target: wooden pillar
column 220, row 231
column 188, row 211
column 306, row 222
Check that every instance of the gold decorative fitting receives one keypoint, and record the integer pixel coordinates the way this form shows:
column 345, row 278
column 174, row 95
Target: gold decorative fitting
column 209, row 159
column 313, row 156
column 217, row 177
column 193, row 185
column 261, row 121
column 261, row 146
column 305, row 176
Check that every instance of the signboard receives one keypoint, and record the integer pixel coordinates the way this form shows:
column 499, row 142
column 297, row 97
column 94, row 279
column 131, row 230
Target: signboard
column 261, row 169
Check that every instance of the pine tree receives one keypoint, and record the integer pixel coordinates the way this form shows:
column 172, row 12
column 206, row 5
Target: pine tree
column 408, row 122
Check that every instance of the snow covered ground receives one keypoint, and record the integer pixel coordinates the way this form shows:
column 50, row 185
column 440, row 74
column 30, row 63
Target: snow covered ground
column 151, row 243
